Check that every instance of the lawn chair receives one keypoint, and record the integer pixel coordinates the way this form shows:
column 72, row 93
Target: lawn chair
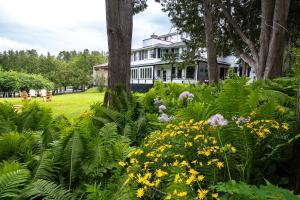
column 24, row 96
column 18, row 108
column 32, row 93
column 49, row 96
column 43, row 94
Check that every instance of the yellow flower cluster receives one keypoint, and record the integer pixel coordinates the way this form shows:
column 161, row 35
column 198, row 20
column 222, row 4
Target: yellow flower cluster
column 181, row 155
column 263, row 128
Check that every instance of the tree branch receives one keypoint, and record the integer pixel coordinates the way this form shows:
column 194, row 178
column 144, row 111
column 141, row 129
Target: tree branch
column 245, row 39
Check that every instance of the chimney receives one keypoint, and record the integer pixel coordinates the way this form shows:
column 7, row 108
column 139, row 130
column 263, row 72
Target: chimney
column 153, row 36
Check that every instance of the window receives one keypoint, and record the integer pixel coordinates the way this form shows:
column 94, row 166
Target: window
column 134, row 73
column 146, row 73
column 179, row 73
column 135, row 56
column 158, row 73
column 176, row 53
column 145, row 52
column 190, row 71
column 158, row 53
column 173, row 72
column 152, row 53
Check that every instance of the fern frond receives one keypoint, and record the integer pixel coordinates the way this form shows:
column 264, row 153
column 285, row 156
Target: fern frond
column 45, row 167
column 73, row 149
column 11, row 182
column 46, row 190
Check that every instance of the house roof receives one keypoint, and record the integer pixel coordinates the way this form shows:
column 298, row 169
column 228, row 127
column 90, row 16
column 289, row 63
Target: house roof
column 101, row 66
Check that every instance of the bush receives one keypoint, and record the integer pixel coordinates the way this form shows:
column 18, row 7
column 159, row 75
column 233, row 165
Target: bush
column 181, row 161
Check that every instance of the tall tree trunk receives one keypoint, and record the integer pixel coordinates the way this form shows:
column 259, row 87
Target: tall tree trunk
column 213, row 72
column 267, row 12
column 268, row 62
column 275, row 56
column 298, row 105
column 244, row 68
column 287, row 57
column 119, row 14
column 295, row 171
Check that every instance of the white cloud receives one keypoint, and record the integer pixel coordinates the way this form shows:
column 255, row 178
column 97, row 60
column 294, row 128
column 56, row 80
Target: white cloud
column 55, row 25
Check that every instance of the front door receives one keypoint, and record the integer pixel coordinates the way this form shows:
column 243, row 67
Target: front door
column 164, row 76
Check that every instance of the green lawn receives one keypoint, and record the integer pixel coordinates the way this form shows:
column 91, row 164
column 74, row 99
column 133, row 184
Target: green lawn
column 71, row 105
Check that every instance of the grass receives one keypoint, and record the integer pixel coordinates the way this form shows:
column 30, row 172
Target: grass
column 70, row 105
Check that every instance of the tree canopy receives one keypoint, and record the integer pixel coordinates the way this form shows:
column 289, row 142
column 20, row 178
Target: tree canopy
column 11, row 81
column 68, row 68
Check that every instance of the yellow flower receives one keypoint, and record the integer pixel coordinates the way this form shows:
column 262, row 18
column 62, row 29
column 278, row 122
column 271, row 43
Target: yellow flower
column 215, row 196
column 181, row 194
column 133, row 161
column 194, row 172
column 220, row 165
column 285, row 126
column 140, row 192
column 161, row 173
column 168, row 197
column 190, row 180
column 150, row 154
column 122, row 164
column 233, row 149
column 200, row 178
column 252, row 113
column 188, row 144
column 138, row 152
column 202, row 193
column 175, row 163
column 184, row 163
column 198, row 136
column 157, row 182
column 281, row 109
column 177, row 179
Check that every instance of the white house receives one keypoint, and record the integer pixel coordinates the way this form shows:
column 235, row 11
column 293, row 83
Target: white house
column 148, row 63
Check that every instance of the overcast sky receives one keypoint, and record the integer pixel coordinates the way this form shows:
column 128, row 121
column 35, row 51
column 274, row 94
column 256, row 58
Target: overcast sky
column 55, row 25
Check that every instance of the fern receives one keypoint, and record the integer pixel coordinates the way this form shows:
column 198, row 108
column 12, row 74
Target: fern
column 197, row 111
column 11, row 182
column 53, row 130
column 126, row 112
column 106, row 149
column 9, row 145
column 233, row 97
column 242, row 190
column 34, row 117
column 46, row 190
column 73, row 149
column 45, row 168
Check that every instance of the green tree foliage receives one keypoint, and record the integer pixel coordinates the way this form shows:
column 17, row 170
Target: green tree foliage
column 11, row 81
column 69, row 68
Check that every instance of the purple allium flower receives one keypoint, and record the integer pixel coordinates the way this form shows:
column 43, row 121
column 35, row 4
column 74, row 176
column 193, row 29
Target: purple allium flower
column 217, row 120
column 241, row 119
column 163, row 118
column 186, row 96
column 161, row 108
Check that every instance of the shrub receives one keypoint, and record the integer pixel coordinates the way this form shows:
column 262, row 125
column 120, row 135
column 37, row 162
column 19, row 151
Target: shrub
column 181, row 161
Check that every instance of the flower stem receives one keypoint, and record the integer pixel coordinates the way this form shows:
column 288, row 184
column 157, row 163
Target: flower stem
column 226, row 160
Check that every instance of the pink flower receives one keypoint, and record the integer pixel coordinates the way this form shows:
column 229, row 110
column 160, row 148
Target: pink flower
column 217, row 120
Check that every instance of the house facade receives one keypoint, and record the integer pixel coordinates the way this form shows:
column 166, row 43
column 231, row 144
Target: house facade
column 100, row 74
column 149, row 62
